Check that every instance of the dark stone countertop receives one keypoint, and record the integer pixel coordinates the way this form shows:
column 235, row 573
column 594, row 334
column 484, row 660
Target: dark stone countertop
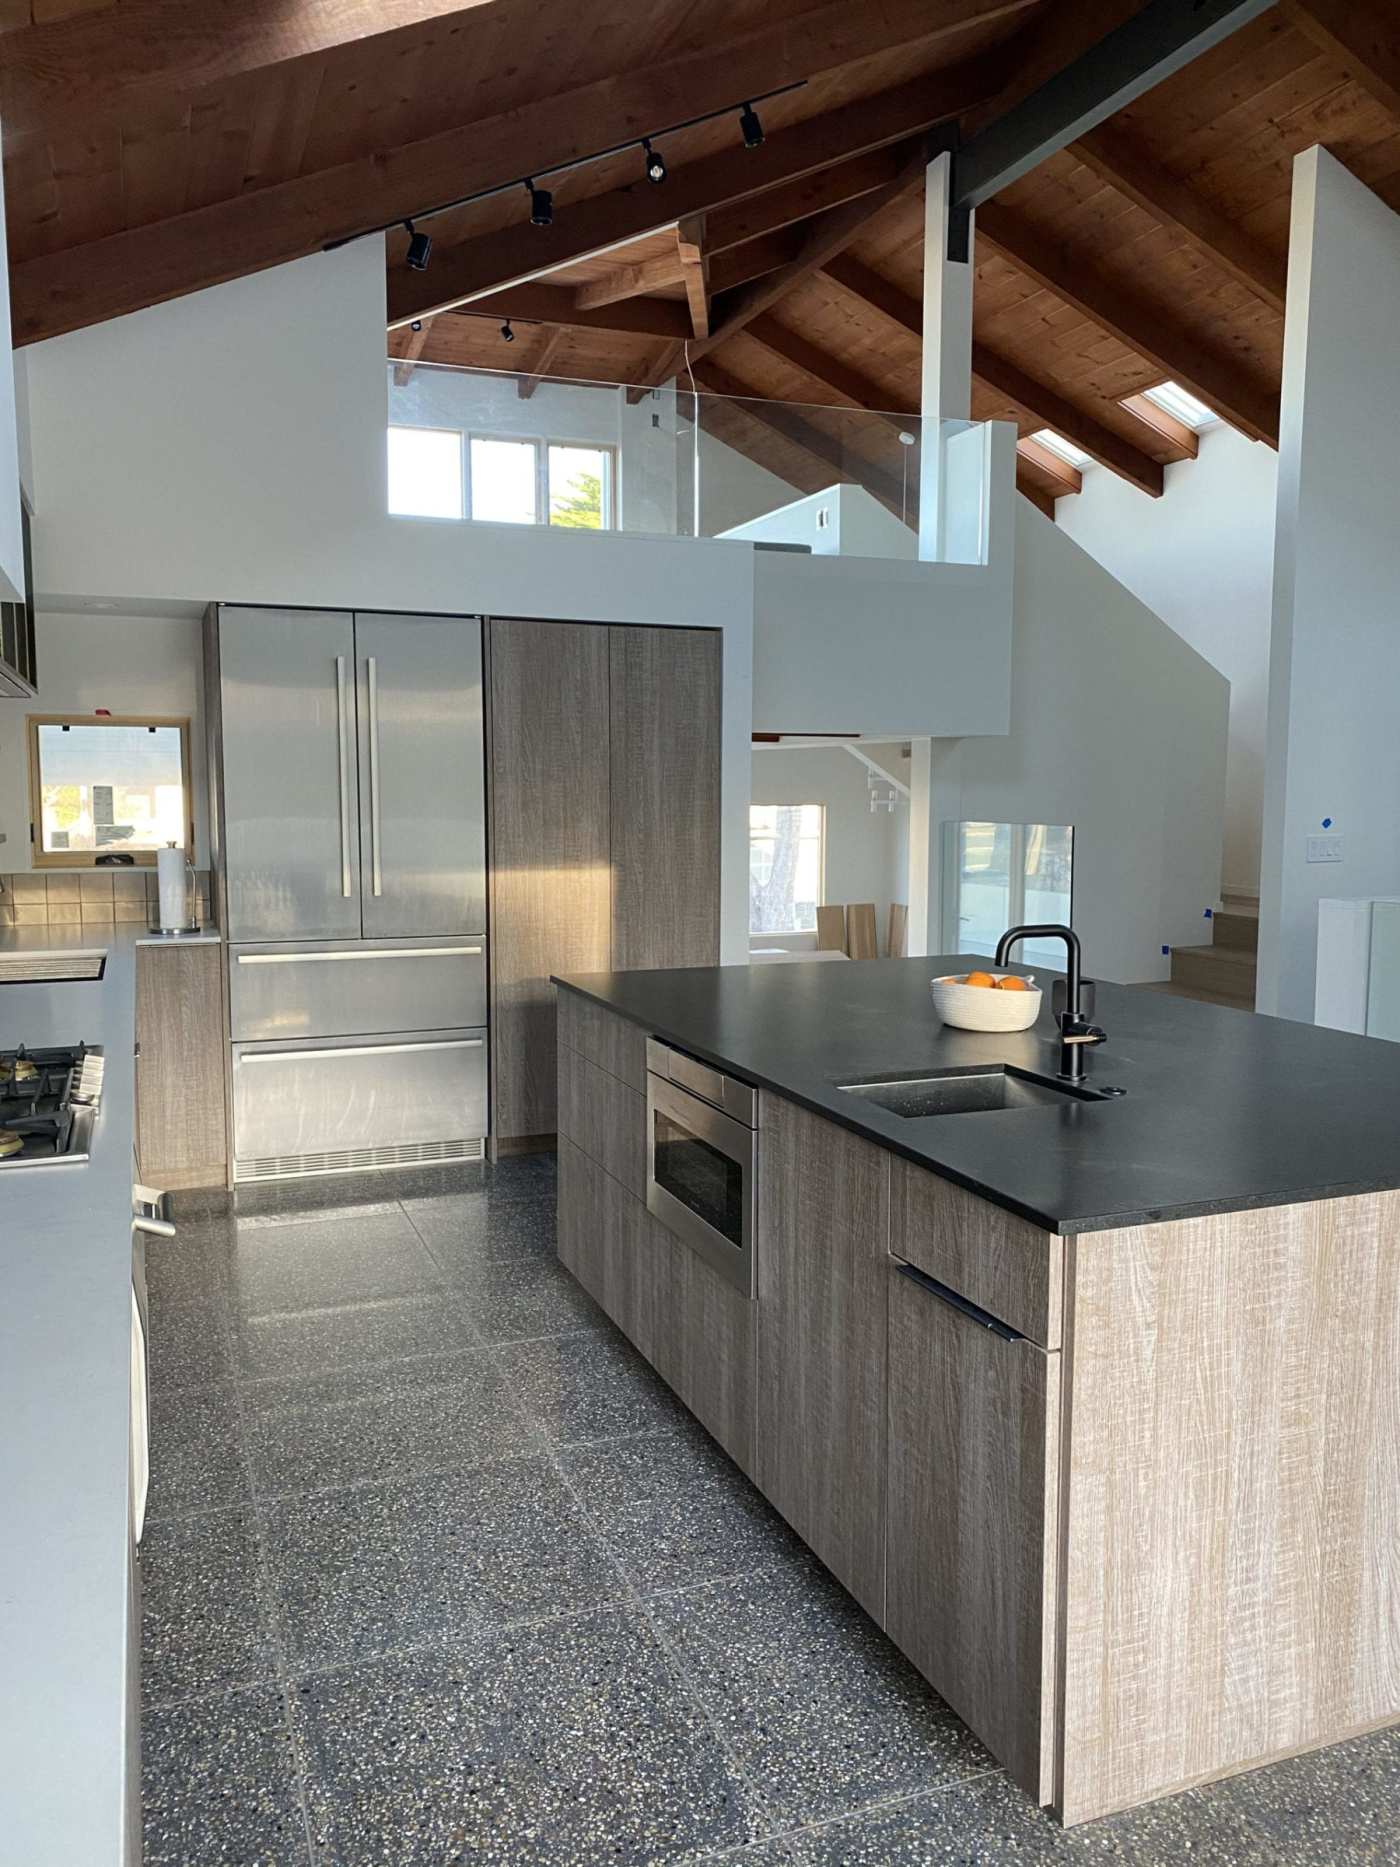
column 1225, row 1109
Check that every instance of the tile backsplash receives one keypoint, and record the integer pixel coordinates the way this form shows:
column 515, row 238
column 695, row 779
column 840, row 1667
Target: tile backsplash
column 84, row 897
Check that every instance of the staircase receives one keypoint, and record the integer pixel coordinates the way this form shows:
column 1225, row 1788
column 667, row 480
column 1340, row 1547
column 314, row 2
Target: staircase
column 1222, row 973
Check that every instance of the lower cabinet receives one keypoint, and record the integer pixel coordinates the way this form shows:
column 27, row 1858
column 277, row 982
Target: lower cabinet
column 972, row 1530
column 705, row 1343
column 823, row 1245
column 182, row 1138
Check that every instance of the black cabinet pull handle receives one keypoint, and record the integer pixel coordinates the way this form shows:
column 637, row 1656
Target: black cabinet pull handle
column 983, row 1318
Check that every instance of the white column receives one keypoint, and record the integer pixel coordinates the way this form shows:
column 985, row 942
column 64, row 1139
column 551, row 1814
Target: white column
column 947, row 361
column 934, row 799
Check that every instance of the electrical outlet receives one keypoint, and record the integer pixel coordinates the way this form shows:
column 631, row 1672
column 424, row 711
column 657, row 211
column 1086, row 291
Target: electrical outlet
column 1325, row 848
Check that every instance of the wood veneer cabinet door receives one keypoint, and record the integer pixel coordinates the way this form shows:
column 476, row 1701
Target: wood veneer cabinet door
column 973, row 1487
column 549, row 850
column 705, row 1341
column 823, row 1239
column 665, row 744
column 182, row 1136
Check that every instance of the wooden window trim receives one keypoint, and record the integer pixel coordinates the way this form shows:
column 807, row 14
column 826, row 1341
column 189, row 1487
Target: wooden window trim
column 39, row 857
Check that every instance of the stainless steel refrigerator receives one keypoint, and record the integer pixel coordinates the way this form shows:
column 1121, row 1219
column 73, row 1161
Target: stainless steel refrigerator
column 347, row 790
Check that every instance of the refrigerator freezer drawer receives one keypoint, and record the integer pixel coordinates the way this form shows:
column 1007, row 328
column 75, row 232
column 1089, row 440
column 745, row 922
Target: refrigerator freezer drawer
column 374, row 987
column 343, row 1098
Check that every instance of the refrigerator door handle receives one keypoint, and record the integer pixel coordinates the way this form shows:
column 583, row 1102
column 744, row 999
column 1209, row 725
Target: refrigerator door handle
column 310, row 1055
column 344, row 728
column 372, row 685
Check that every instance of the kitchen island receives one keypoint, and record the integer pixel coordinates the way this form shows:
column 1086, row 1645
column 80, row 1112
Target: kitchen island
column 1094, row 1405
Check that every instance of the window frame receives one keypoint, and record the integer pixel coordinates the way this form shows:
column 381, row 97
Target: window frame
column 41, row 858
column 793, row 933
column 463, row 464
column 608, row 451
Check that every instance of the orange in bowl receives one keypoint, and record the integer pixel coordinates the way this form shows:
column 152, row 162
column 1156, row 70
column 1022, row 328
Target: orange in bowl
column 1013, row 983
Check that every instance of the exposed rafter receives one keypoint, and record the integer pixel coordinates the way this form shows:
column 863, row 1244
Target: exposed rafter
column 830, row 236
column 526, row 385
column 556, row 304
column 146, row 265
column 65, row 71
column 1155, row 335
column 1068, row 478
column 842, row 383
column 1041, row 404
column 1174, row 205
column 1362, row 35
column 695, row 272
column 800, row 433
column 411, row 351
column 596, row 222
column 1048, row 409
column 1030, row 489
column 1184, row 442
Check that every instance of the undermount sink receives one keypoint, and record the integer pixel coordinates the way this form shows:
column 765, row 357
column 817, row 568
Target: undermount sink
column 967, row 1092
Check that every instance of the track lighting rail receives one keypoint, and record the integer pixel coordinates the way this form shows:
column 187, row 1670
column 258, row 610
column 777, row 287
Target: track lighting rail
column 542, row 200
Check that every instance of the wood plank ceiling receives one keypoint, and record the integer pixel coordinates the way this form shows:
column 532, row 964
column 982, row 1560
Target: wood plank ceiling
column 152, row 147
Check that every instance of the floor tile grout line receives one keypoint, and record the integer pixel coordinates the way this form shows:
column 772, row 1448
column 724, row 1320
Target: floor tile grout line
column 752, row 1806
column 277, row 1635
column 863, row 1810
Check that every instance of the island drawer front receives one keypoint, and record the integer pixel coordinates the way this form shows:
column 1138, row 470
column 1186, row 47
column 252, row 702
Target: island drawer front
column 604, row 1119
column 614, row 1044
column 973, row 1487
column 1003, row 1264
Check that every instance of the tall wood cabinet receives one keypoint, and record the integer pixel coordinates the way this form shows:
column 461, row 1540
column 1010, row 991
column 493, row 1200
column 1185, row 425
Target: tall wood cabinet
column 604, row 755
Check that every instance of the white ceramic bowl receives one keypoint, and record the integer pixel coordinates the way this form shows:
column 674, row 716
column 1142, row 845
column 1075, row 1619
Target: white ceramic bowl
column 979, row 1008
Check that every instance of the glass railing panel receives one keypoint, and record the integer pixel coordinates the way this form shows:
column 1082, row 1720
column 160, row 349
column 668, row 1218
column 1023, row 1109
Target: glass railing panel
column 517, row 449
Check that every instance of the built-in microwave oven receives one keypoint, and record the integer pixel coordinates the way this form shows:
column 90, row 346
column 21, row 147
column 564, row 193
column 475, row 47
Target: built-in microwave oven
column 702, row 1150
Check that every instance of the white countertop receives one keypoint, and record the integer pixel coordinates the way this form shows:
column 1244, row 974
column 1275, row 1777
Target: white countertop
column 65, row 1344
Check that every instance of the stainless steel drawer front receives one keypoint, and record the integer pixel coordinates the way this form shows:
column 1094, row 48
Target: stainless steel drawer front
column 329, row 1097
column 362, row 990
column 702, row 1079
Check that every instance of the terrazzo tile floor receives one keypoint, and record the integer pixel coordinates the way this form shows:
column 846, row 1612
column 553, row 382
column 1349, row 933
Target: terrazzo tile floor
column 438, row 1571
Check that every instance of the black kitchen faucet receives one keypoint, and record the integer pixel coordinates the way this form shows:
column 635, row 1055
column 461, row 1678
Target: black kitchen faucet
column 1076, row 1033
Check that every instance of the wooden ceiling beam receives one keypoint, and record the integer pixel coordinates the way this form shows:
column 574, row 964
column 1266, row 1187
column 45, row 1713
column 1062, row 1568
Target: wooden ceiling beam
column 860, row 282
column 1363, row 36
column 1047, row 408
column 1031, row 489
column 630, row 281
column 66, row 71
column 1068, row 478
column 592, row 224
column 1040, row 403
column 526, row 385
column 1184, row 442
column 1174, row 205
column 411, row 351
column 695, row 266
column 736, row 265
column 845, row 385
column 555, row 304
column 141, row 266
column 799, row 432
column 829, row 236
column 1154, row 335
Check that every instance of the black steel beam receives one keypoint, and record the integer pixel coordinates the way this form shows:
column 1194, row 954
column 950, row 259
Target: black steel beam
column 1146, row 49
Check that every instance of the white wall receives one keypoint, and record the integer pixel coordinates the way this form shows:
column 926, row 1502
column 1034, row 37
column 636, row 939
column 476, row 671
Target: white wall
column 1202, row 558
column 127, row 664
column 1334, row 747
column 863, row 852
column 1117, row 727
column 11, row 535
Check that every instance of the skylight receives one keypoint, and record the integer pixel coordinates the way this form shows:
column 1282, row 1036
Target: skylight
column 1181, row 403
column 1057, row 444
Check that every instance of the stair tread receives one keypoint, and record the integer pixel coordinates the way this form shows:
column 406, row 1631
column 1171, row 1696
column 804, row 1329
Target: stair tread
column 1237, row 956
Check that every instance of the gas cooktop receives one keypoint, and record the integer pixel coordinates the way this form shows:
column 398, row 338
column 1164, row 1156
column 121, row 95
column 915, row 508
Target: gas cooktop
column 48, row 1104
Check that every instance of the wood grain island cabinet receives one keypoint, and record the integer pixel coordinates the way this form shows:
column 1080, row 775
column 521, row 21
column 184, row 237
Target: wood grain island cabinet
column 1129, row 1499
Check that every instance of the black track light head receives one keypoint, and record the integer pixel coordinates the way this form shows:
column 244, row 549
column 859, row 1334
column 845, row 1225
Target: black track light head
column 656, row 166
column 420, row 248
column 541, row 206
column 416, row 325
column 750, row 127
column 507, row 333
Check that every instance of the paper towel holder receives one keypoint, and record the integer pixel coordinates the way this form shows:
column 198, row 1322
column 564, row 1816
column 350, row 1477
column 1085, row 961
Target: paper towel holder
column 175, row 902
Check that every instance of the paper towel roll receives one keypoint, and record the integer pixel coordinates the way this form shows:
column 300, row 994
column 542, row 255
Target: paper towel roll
column 174, row 896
